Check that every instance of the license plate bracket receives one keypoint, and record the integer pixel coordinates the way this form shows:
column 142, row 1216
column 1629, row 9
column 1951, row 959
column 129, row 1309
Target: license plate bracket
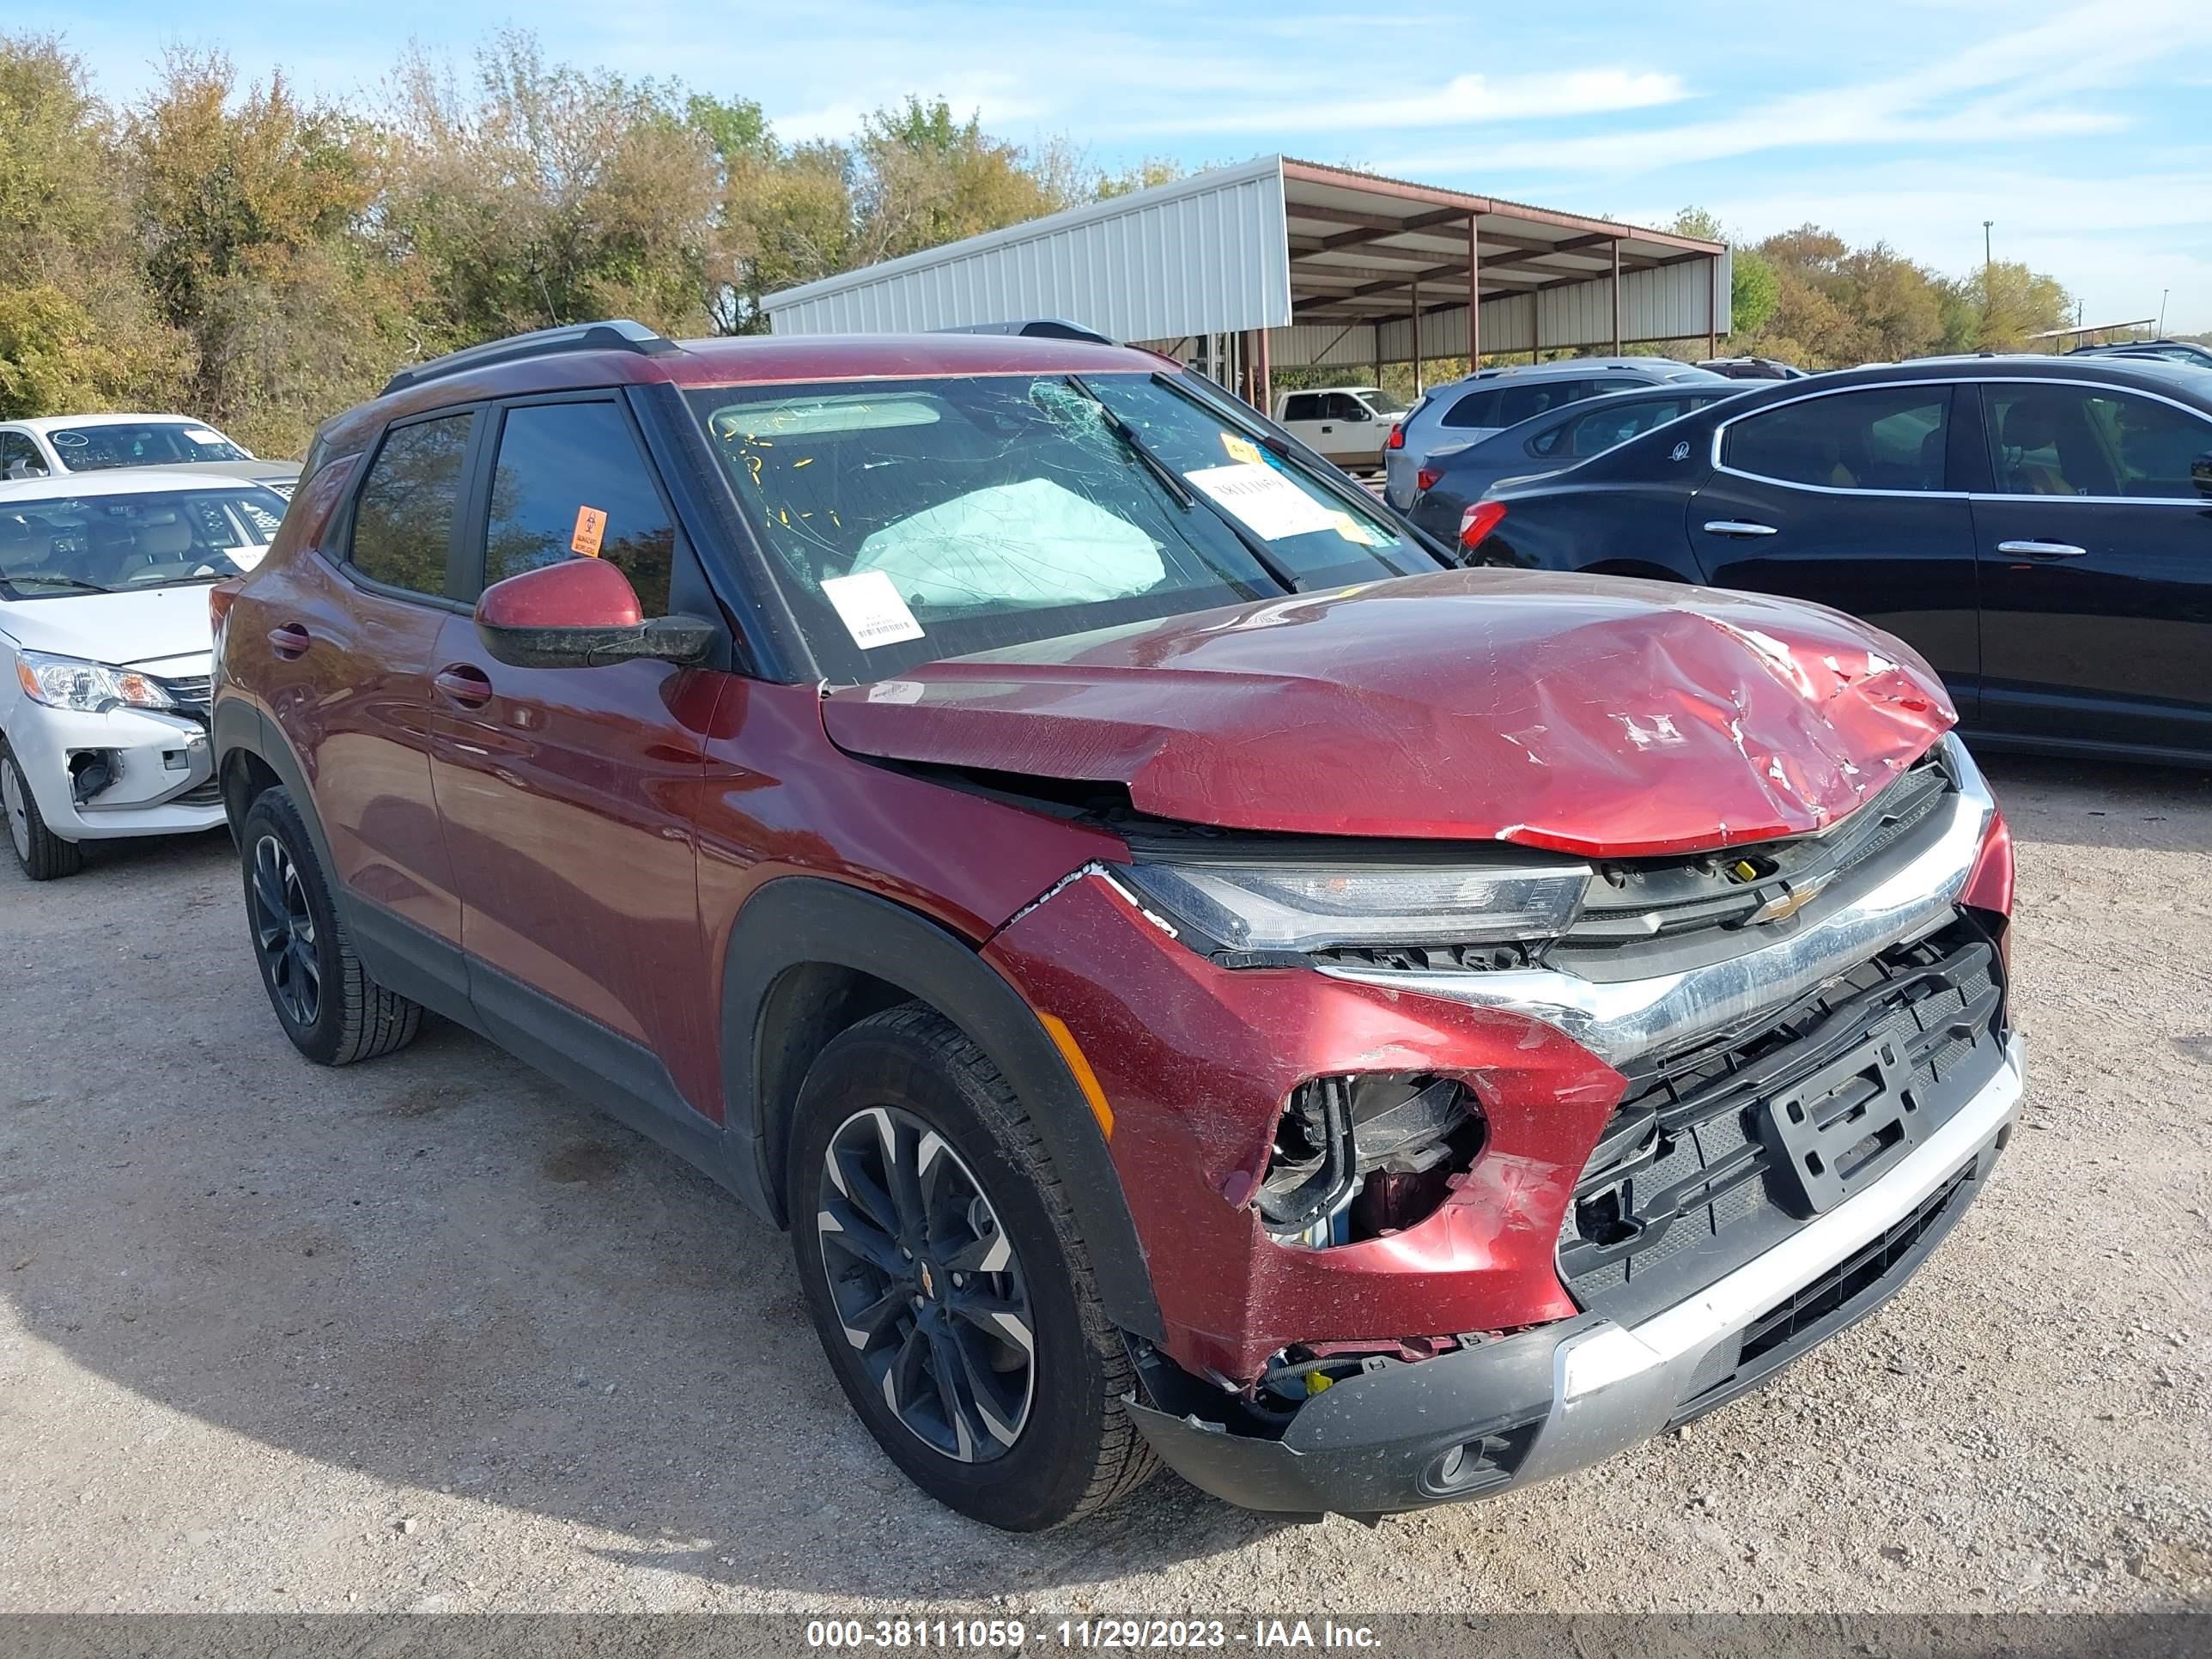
column 1839, row 1129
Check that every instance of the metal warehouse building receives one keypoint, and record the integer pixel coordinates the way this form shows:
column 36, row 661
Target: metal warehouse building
column 1281, row 263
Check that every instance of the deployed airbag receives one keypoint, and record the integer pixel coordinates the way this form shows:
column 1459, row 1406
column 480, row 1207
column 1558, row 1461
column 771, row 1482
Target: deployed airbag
column 1032, row 543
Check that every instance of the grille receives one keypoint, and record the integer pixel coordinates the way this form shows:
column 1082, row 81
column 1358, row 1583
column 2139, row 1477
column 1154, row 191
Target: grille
column 1691, row 1176
column 1843, row 1284
column 1637, row 910
column 1648, row 916
column 191, row 694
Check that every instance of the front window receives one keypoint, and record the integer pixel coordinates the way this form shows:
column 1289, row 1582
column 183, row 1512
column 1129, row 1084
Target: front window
column 59, row 545
column 2077, row 440
column 140, row 443
column 909, row 521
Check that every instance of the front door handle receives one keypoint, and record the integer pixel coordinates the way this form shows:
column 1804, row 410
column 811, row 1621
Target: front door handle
column 464, row 685
column 289, row 641
column 1736, row 527
column 2043, row 550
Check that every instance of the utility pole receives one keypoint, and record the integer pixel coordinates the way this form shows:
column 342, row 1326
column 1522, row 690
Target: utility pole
column 2162, row 293
column 1989, row 281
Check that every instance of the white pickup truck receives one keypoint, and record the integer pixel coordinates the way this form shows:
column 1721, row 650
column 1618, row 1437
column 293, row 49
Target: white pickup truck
column 1349, row 424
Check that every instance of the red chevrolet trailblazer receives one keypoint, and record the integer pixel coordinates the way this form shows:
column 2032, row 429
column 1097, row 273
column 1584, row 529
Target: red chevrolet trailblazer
column 1202, row 978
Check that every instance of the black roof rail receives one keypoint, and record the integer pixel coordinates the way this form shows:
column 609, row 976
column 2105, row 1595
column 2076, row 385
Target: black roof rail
column 1049, row 328
column 618, row 334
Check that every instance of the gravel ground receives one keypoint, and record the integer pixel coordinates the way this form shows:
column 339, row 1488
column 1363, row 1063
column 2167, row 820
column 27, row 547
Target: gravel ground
column 429, row 1333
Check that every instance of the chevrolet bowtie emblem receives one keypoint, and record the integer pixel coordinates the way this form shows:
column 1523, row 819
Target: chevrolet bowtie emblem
column 1791, row 899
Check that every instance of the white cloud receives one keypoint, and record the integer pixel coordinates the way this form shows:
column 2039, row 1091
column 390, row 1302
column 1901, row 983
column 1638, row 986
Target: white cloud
column 1463, row 100
column 2028, row 83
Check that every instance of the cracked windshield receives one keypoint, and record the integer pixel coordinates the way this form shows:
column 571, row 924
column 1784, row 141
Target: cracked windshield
column 927, row 518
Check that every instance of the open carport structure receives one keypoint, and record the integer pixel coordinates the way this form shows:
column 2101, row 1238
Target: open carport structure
column 1280, row 262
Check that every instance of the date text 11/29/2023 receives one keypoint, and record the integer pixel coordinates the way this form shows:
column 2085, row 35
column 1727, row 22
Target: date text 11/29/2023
column 1011, row 1635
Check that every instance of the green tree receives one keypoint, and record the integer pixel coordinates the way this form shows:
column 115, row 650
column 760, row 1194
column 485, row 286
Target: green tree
column 1754, row 289
column 248, row 205
column 546, row 194
column 76, row 332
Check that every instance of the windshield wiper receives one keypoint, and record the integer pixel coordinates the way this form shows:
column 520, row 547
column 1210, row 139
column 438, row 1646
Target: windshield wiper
column 1185, row 496
column 77, row 582
column 1170, row 480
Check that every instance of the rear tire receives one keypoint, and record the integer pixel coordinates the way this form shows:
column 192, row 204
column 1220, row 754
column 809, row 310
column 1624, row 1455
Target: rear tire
column 43, row 855
column 934, row 1155
column 330, row 1007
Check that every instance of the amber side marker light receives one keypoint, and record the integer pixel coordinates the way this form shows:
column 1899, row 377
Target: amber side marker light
column 1086, row 1078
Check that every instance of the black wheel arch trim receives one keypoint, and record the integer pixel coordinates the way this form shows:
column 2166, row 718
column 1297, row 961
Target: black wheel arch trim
column 794, row 922
column 239, row 726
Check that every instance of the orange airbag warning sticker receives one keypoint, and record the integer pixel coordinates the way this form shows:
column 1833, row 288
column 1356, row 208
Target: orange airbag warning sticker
column 590, row 530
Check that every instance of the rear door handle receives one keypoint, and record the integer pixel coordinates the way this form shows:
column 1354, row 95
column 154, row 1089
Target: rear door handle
column 2043, row 550
column 1736, row 527
column 289, row 641
column 461, row 684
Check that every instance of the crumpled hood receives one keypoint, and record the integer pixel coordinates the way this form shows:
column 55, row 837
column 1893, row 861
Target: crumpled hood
column 1585, row 715
column 146, row 626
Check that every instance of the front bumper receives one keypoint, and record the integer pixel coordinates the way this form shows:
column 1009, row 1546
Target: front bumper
column 1547, row 1401
column 163, row 765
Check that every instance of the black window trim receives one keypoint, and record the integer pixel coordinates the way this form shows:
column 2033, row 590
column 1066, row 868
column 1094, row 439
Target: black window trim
column 469, row 570
column 470, row 457
column 1972, row 383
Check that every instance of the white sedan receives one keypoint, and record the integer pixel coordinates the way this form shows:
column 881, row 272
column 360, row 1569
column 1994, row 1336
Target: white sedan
column 51, row 445
column 103, row 646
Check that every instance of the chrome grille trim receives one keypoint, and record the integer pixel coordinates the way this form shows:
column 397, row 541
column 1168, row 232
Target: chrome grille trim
column 1620, row 1020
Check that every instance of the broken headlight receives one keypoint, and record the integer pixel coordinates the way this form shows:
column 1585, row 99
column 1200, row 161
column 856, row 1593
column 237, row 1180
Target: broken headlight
column 1315, row 906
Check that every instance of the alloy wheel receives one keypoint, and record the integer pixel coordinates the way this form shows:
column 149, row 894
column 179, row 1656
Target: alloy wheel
column 927, row 1284
column 284, row 932
column 18, row 811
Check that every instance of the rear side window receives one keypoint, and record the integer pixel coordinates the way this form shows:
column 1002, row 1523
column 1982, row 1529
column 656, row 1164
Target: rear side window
column 1885, row 438
column 1305, row 406
column 572, row 482
column 2077, row 440
column 1582, row 436
column 1509, row 405
column 403, row 521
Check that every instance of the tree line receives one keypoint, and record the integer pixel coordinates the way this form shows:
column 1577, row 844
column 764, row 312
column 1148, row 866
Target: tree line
column 260, row 258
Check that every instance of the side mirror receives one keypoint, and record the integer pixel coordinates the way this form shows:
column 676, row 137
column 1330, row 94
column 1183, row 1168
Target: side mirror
column 580, row 613
column 2200, row 474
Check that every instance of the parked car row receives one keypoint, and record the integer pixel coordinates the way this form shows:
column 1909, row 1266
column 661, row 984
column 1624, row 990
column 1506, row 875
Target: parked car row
column 2040, row 529
column 1203, row 977
column 1465, row 411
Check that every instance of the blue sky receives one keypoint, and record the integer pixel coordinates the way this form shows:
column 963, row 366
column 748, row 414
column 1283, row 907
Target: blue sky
column 2085, row 132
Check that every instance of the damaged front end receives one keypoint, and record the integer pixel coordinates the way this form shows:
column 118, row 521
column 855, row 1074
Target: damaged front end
column 1461, row 1166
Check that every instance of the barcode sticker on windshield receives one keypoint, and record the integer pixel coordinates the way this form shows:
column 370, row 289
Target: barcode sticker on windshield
column 1266, row 501
column 870, row 607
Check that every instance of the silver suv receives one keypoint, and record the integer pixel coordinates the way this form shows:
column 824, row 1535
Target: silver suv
column 1467, row 410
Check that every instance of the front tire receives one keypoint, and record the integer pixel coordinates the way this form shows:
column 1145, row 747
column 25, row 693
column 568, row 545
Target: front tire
column 937, row 1252
column 330, row 1007
column 43, row 855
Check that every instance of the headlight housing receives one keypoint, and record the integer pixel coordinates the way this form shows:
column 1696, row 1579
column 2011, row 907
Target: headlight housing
column 88, row 688
column 1320, row 906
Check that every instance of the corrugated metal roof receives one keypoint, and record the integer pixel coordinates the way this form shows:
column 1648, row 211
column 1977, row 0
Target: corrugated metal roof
column 1276, row 243
column 1205, row 254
